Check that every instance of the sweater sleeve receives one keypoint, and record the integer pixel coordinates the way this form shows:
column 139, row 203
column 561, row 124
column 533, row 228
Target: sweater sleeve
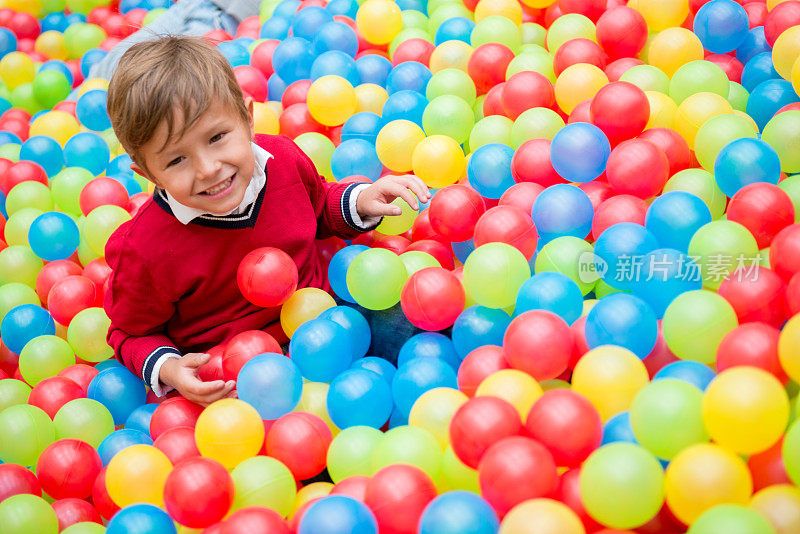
column 139, row 310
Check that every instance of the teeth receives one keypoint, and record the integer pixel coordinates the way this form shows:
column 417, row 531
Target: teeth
column 221, row 187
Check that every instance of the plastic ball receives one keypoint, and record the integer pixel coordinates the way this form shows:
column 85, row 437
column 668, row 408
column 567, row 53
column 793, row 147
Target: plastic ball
column 304, row 304
column 45, row 151
column 763, row 209
column 609, row 376
column 746, row 161
column 33, row 430
column 267, row 277
column 359, row 397
column 121, row 439
column 479, row 423
column 674, row 217
column 24, row 323
column 458, row 511
column 620, row 110
column 375, row 279
column 622, row 32
column 67, row 468
column 579, row 152
column 478, row 326
column 28, row 513
column 337, row 514
column 350, row 452
column 622, row 320
column 489, row 169
column 44, row 357
column 396, row 142
column 331, row 100
column 720, row 247
column 86, row 335
column 130, row 468
column 767, row 98
column 721, row 26
column 100, row 224
column 226, row 418
column 141, row 517
column 83, row 419
column 397, row 496
column 480, row 274
column 438, row 161
column 577, row 83
column 542, row 515
column 618, row 252
column 379, row 21
column 119, row 390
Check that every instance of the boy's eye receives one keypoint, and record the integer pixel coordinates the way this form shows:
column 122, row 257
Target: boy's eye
column 217, row 137
column 175, row 161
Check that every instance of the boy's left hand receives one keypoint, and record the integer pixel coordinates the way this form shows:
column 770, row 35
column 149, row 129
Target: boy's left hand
column 376, row 200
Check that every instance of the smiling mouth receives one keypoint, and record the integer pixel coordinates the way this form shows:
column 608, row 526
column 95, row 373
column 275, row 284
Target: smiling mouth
column 218, row 188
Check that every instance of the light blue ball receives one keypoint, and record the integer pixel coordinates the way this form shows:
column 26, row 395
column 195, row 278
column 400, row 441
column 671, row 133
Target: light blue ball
column 454, row 29
column 119, row 390
column 335, row 36
column 579, row 152
column 53, row 236
column 755, row 42
column 87, row 150
column 356, row 157
column 23, row 323
column 695, row 373
column 618, row 428
column 292, row 59
column 408, row 105
column 746, row 161
column 121, row 439
column 758, row 68
column 338, row 63
column 321, row 349
column 619, row 251
column 139, row 419
column 623, row 320
column 478, row 326
column 309, row 20
column 378, row 365
column 721, row 25
column 337, row 270
column 562, row 210
column 355, row 324
column 363, row 125
column 418, row 376
column 91, row 110
column 338, row 514
column 665, row 274
column 489, row 170
column 45, row 151
column 373, row 68
column 674, row 217
column 458, row 512
column 551, row 291
column 359, row 397
column 271, row 383
column 767, row 98
column 409, row 75
column 141, row 519
column 429, row 345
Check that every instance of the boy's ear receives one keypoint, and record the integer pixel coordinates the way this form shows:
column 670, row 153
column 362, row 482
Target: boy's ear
column 140, row 171
column 248, row 102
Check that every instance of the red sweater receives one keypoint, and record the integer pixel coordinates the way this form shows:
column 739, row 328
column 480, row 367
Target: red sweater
column 173, row 289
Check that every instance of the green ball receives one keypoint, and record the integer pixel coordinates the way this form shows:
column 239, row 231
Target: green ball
column 398, row 224
column 84, row 419
column 791, row 452
column 27, row 514
column 153, row 15
column 451, row 82
column 564, row 255
column 719, row 247
column 782, row 133
column 602, row 289
column 791, row 186
column 50, row 87
column 448, row 115
column 22, row 97
column 375, row 278
column 568, row 27
column 29, row 194
column 84, row 527
column 414, row 19
column 539, row 60
column 731, row 519
column 647, row 78
column 66, row 187
column 737, row 97
column 666, row 417
column 43, row 357
column 320, row 149
column 535, row 123
column 13, row 392
column 32, row 431
column 497, row 29
column 717, row 132
column 18, row 225
column 101, row 223
column 405, row 35
column 10, row 151
column 15, row 294
column 702, row 184
column 350, row 452
column 51, row 6
column 80, row 38
column 491, row 129
column 493, row 274
column 533, row 33
column 698, row 77
column 416, row 260
column 437, row 14
column 86, row 334
column 477, row 108
column 695, row 323
column 410, row 445
column 267, row 8
column 433, row 5
column 263, row 481
column 622, row 485
column 18, row 263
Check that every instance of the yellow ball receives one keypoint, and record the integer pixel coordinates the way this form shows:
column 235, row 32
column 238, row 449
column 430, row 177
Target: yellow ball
column 396, row 143
column 331, row 100
column 379, row 21
column 745, row 409
column 577, row 83
column 772, row 3
column 51, row 45
column 91, row 84
column 433, row 411
column 453, row 54
column 695, row 111
column 137, row 474
column 265, row 121
column 541, row 516
column 663, row 14
column 457, row 475
column 789, row 348
column 315, row 490
column 662, row 110
column 438, row 161
column 703, row 476
column 59, row 125
column 509, row 9
column 539, row 3
column 305, row 304
column 672, row 48
column 513, row 386
column 610, row 377
column 314, row 400
column 398, row 224
column 32, row 7
column 370, row 97
column 780, row 504
column 229, row 431
column 16, row 68
column 786, row 51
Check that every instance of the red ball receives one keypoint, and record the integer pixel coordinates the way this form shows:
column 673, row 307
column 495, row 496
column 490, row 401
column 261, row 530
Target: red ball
column 514, row 470
column 756, row 13
column 539, row 343
column 618, row 209
column 177, row 443
column 440, row 251
column 217, row 36
column 525, row 90
column 569, row 492
column 674, row 146
column 300, row 441
column 454, row 211
column 794, row 106
column 479, row 423
column 252, row 82
column 779, row 19
column 493, row 103
column 757, row 295
column 477, row 365
column 730, row 65
column 244, row 347
column 763, row 208
column 793, row 295
column 137, row 201
column 198, row 492
column 432, row 298
column 354, row 486
column 753, row 344
column 70, row 511
column 767, row 467
column 397, row 496
column 487, row 65
column 622, row 32
column 581, row 113
column 15, row 479
column 71, row 295
column 521, row 195
column 510, row 225
column 249, row 27
column 580, row 346
column 422, row 229
column 295, row 93
column 415, row 49
column 577, row 51
column 212, row 369
column 588, row 8
column 68, row 468
column 8, row 360
column 396, row 243
column 16, row 113
column 254, row 519
column 261, row 58
column 81, row 374
column 567, row 424
column 660, row 356
column 173, row 412
column 638, row 168
column 54, row 392
column 531, row 163
column 267, row 277
column 22, row 171
column 51, row 273
column 617, row 68
column 97, row 271
column 621, row 110
column 784, row 253
column 296, row 120
column 24, row 25
column 102, row 191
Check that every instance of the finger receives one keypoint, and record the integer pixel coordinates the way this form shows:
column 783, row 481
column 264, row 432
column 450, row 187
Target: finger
column 195, row 360
column 410, row 198
column 199, row 388
column 379, row 209
column 417, row 186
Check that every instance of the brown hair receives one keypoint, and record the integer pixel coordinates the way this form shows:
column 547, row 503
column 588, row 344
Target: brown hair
column 166, row 79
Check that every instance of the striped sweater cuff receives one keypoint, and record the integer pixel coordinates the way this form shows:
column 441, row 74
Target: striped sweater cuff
column 152, row 366
column 350, row 213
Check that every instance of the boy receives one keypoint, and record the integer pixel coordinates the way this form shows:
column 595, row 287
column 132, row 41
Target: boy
column 221, row 191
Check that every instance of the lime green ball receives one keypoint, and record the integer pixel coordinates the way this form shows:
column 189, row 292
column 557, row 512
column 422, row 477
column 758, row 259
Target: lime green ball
column 717, row 132
column 791, row 452
column 416, row 260
column 13, row 392
column 15, row 294
column 84, row 527
column 438, row 14
column 535, row 123
column 647, row 78
column 375, row 278
column 457, row 475
column 695, row 323
column 433, row 5
column 101, row 223
column 84, row 419
column 414, row 19
column 263, row 481
column 497, row 29
column 782, row 133
column 350, row 452
column 22, row 97
column 319, row 148
column 86, row 334
column 32, row 432
column 43, row 357
column 17, row 226
column 29, row 194
column 666, row 417
column 493, row 274
column 80, row 38
column 18, row 263
column 602, row 289
column 86, row 254
column 51, row 6
column 568, row 27
column 79, row 6
column 397, row 224
column 267, row 8
column 477, row 108
column 622, row 485
column 50, row 87
column 448, row 115
column 411, row 445
column 540, row 61
column 791, row 186
column 533, row 33
column 737, row 97
column 698, row 77
column 405, row 35
column 702, row 184
column 153, row 15
column 719, row 247
column 66, row 188
column 491, row 129
column 731, row 519
column 451, row 82
column 563, row 255
column 27, row 514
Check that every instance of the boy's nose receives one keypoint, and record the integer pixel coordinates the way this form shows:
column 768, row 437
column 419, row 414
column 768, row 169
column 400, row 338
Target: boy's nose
column 207, row 168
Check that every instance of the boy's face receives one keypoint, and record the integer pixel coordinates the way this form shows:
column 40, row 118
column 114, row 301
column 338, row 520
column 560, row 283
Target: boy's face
column 209, row 167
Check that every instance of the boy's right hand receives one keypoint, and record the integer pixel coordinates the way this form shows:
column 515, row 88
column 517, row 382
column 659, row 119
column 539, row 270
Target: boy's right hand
column 182, row 374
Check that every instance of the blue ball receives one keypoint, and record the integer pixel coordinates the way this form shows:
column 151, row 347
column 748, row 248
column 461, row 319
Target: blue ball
column 275, row 27
column 91, row 58
column 45, row 151
column 359, row 397
column 338, row 514
column 478, row 326
column 87, row 150
column 551, row 291
column 9, row 138
column 286, row 9
column 107, row 364
column 489, row 170
column 746, row 161
column 141, row 519
column 363, row 125
column 721, row 25
column 463, row 249
column 335, row 36
column 767, row 98
column 355, row 324
column 418, row 376
column 53, row 236
column 619, row 250
column 754, row 43
column 119, row 390
column 91, row 110
column 458, row 512
column 120, row 165
column 348, row 8
column 139, row 419
column 5, row 105
column 120, row 439
column 337, row 63
column 3, row 205
column 408, row 105
column 321, row 349
column 454, row 29
column 695, row 373
column 618, row 428
column 131, row 185
column 758, row 69
column 579, row 152
column 378, row 365
column 429, row 345
column 23, row 323
column 292, row 59
column 234, row 52
column 674, row 217
column 276, row 86
column 373, row 68
column 77, row 18
column 54, row 21
column 665, row 274
column 356, row 157
column 414, row 5
column 126, row 6
column 624, row 320
column 270, row 383
column 308, row 21
column 337, row 270
column 562, row 210
column 58, row 66
column 408, row 75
